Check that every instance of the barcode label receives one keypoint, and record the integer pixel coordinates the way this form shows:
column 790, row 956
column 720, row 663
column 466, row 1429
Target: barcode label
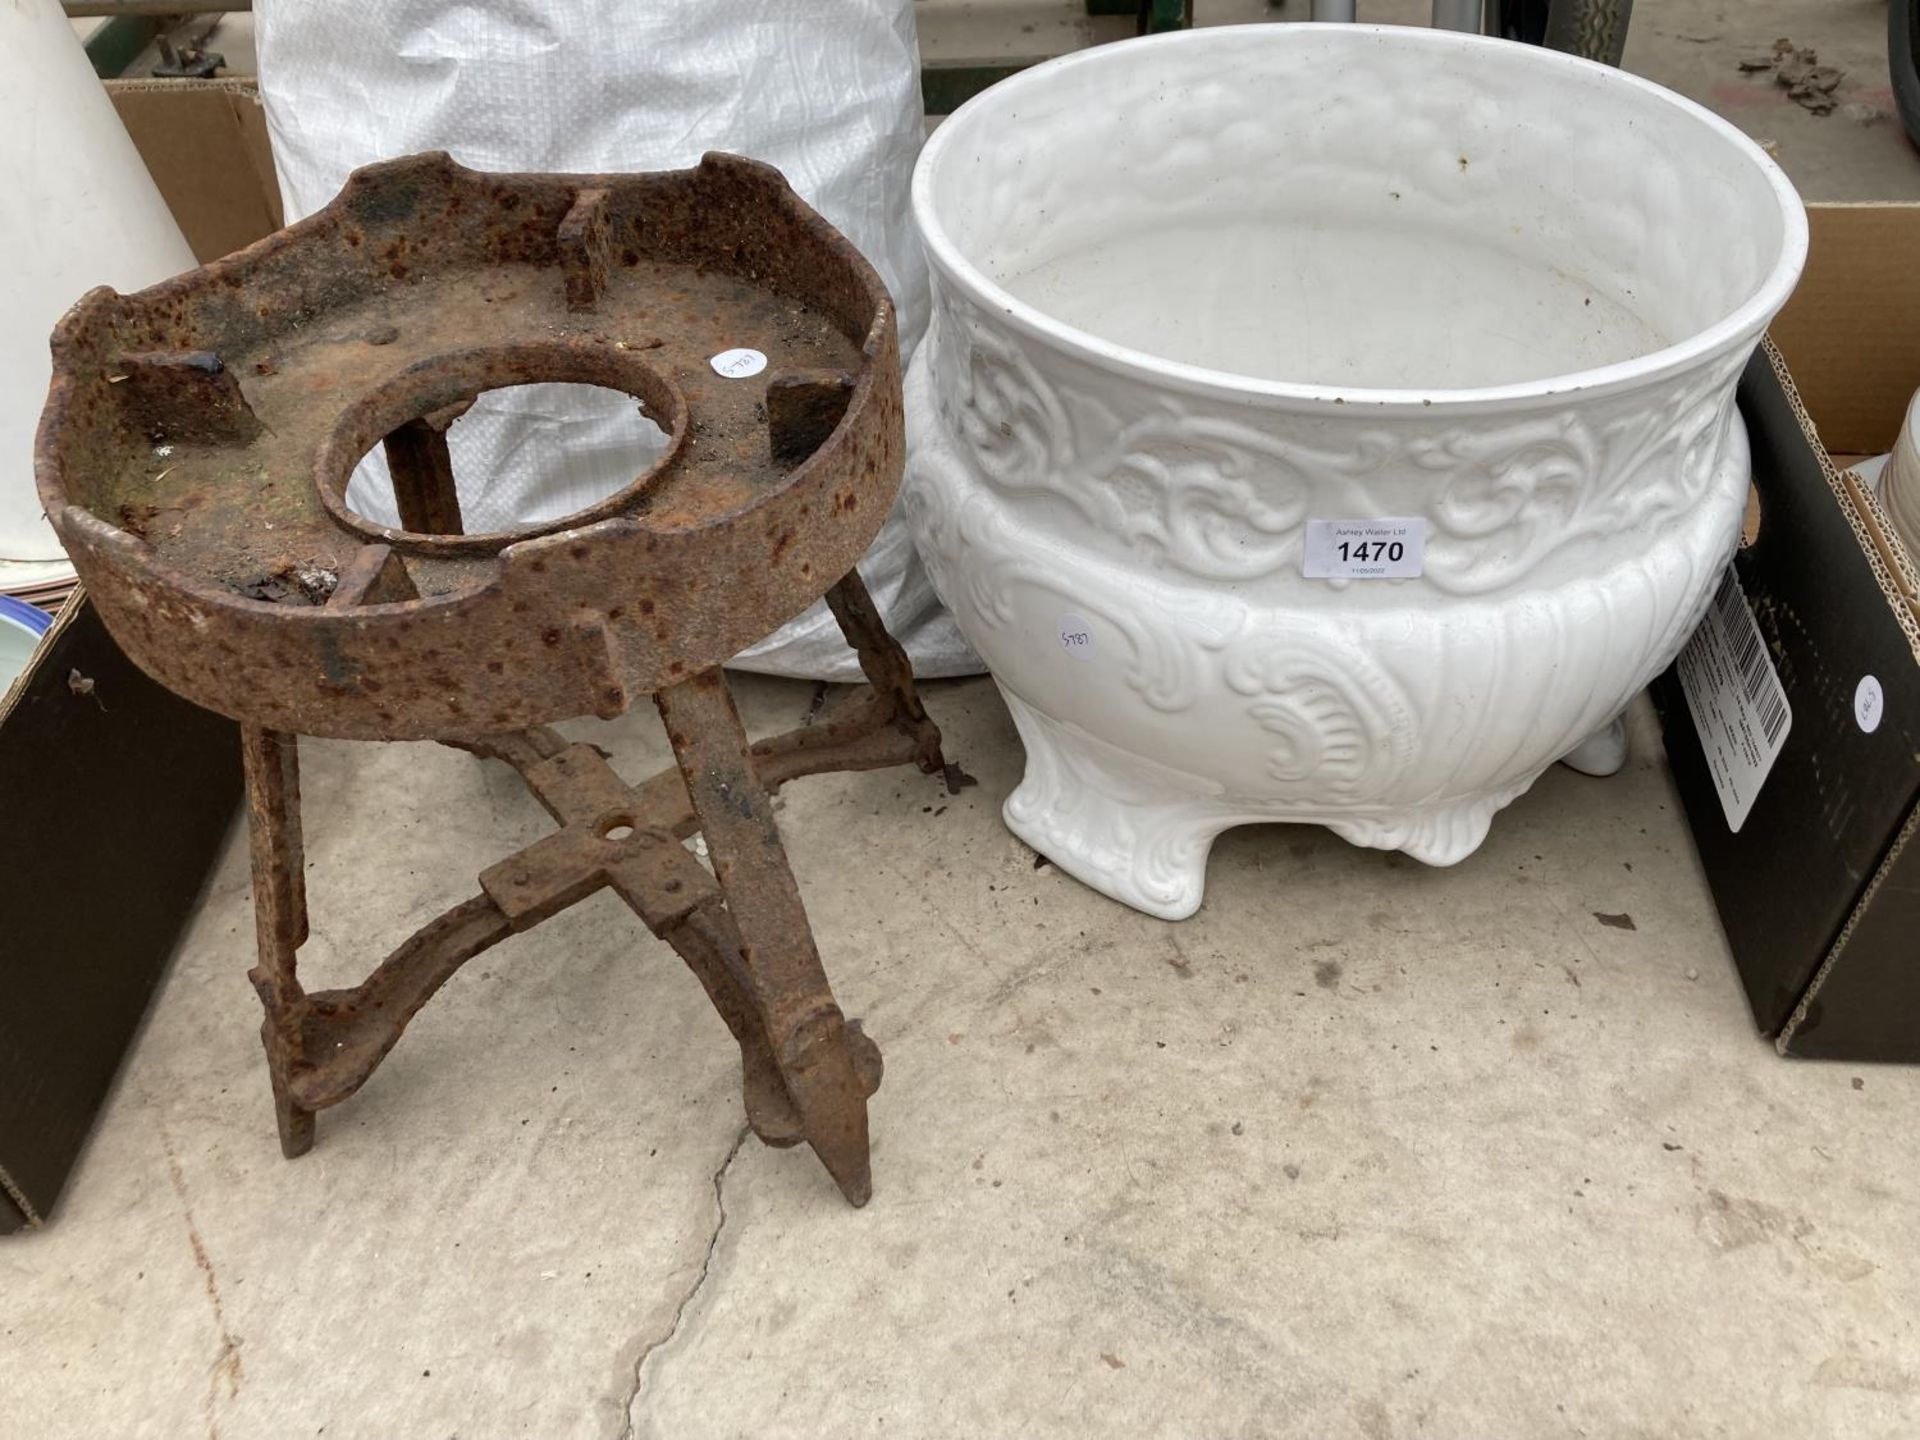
column 1738, row 705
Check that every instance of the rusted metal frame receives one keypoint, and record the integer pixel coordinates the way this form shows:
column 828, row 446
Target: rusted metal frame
column 662, row 884
column 649, row 869
column 374, row 576
column 859, row 732
column 322, row 1047
column 403, row 259
column 710, row 945
column 804, row 407
column 347, row 1033
column 422, row 472
column 856, row 734
column 585, row 243
column 886, row 666
column 537, row 624
column 185, row 395
column 665, row 886
column 275, row 848
column 521, row 749
column 780, row 968
column 806, row 1071
column 685, row 908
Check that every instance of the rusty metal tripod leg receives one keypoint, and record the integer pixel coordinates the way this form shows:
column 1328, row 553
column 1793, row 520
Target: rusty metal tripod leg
column 280, row 916
column 827, row 1066
column 705, row 941
column 885, row 664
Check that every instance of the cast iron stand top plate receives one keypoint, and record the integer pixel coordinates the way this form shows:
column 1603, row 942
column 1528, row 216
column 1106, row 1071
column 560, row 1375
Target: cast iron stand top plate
column 199, row 436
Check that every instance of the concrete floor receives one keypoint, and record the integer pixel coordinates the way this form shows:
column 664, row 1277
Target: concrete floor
column 1859, row 152
column 1363, row 1149
column 1694, row 46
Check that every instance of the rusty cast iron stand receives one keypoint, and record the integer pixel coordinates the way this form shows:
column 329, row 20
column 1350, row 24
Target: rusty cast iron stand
column 196, row 454
column 806, row 1070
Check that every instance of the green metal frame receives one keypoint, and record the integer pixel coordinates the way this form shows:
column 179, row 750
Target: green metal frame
column 947, row 85
column 118, row 43
column 1161, row 14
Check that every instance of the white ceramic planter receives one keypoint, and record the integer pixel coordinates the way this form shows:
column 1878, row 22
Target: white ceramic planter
column 1194, row 291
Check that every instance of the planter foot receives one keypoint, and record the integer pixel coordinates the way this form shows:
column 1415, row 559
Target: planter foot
column 1103, row 819
column 1601, row 753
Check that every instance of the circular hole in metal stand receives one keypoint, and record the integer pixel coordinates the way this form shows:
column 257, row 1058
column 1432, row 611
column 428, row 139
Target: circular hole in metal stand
column 615, row 830
column 419, row 397
column 567, row 447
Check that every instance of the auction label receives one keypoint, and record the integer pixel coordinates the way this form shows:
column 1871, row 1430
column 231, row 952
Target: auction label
column 1365, row 549
column 1869, row 703
column 738, row 364
column 1076, row 636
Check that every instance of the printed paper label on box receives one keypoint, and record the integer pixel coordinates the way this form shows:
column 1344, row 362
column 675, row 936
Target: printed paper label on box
column 1738, row 705
column 1364, row 549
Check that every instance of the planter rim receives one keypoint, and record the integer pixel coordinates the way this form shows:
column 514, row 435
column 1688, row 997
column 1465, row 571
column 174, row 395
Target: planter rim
column 1741, row 326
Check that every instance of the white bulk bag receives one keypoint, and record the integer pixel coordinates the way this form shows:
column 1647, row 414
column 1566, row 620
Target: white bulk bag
column 828, row 92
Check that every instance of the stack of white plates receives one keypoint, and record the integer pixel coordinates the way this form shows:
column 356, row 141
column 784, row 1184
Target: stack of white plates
column 42, row 583
column 21, row 626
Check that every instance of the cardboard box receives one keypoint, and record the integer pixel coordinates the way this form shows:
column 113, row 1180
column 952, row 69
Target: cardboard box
column 205, row 144
column 1819, row 886
column 116, row 796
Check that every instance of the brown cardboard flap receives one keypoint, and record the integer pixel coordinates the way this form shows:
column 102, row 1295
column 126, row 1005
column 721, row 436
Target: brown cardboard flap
column 1856, row 371
column 205, row 144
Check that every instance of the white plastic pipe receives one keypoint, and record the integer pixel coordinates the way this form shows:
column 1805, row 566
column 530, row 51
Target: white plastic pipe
column 77, row 209
column 1339, row 10
column 1457, row 15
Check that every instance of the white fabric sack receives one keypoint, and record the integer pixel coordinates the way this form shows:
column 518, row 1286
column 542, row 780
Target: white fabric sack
column 828, row 92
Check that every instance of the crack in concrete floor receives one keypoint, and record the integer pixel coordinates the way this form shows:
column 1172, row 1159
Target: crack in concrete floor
column 653, row 1347
column 226, row 1363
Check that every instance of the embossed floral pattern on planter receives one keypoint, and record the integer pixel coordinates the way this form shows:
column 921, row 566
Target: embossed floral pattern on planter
column 1195, row 291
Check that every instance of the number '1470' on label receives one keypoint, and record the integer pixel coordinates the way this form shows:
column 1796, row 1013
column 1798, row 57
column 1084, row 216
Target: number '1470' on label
column 1365, row 549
